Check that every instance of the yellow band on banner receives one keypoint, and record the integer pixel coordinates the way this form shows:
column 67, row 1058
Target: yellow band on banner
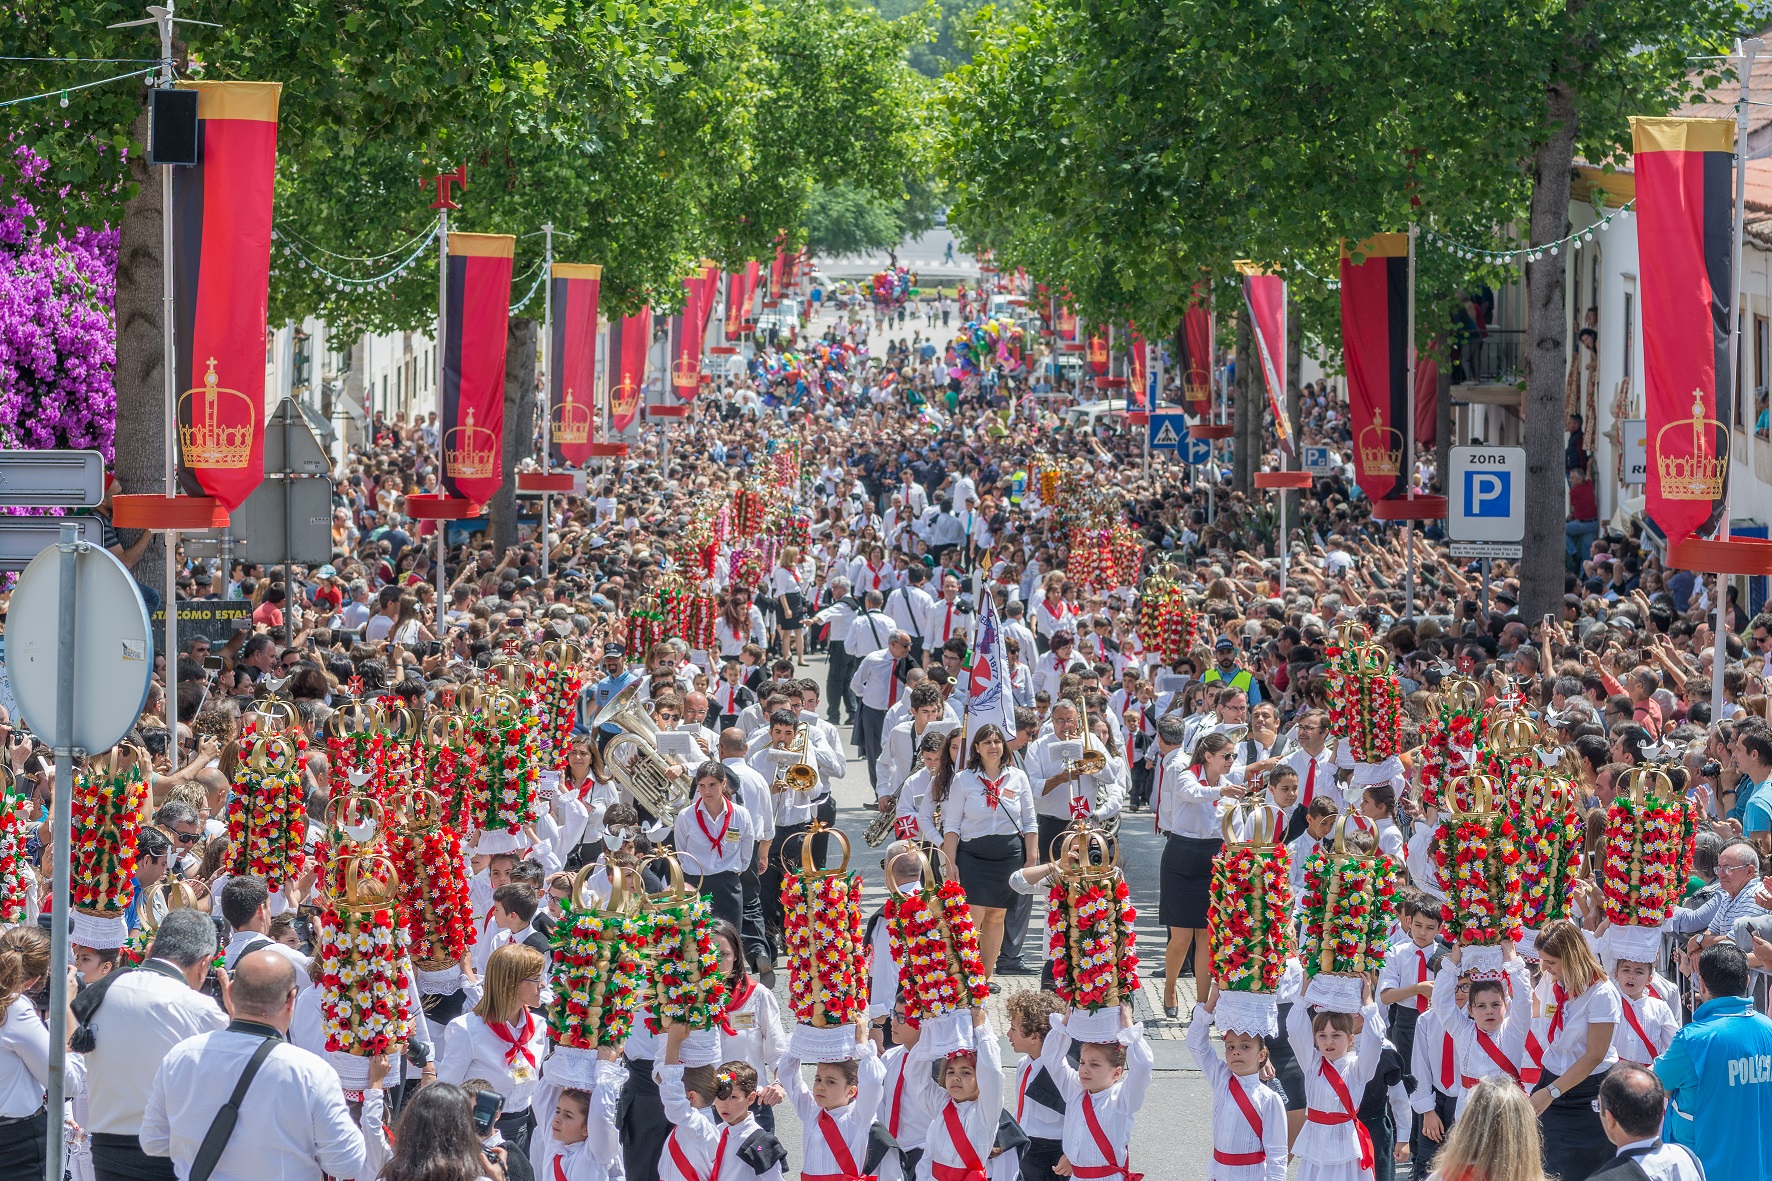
column 236, row 100
column 578, row 270
column 1682, row 135
column 1379, row 246
column 1246, row 267
column 482, row 245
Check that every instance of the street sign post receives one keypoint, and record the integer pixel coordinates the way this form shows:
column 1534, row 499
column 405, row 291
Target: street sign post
column 23, row 538
column 1167, row 430
column 285, row 520
column 1195, row 452
column 1486, row 505
column 1635, row 441
column 52, row 479
column 1319, row 461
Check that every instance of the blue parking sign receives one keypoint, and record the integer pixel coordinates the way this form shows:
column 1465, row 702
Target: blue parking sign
column 1488, row 494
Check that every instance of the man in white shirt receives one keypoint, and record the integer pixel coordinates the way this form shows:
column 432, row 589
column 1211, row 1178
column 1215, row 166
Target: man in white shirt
column 916, row 499
column 1314, row 760
column 841, row 617
column 908, row 606
column 387, row 610
column 947, row 617
column 876, row 684
column 292, row 1122
column 871, row 629
column 129, row 1027
column 1015, row 626
column 246, row 905
column 355, row 612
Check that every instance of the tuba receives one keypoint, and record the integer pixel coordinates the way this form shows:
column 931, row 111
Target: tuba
column 633, row 760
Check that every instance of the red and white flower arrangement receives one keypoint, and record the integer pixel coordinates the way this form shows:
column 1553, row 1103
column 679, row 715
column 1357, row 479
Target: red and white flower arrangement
column 684, row 966
column 597, row 977
column 108, row 812
column 509, row 764
column 559, row 690
column 15, row 873
column 935, row 946
column 1349, row 902
column 1365, row 704
column 1248, row 917
column 433, row 893
column 268, row 811
column 364, row 1007
column 1649, row 846
column 1548, row 828
column 827, row 959
column 1090, row 937
column 1479, row 863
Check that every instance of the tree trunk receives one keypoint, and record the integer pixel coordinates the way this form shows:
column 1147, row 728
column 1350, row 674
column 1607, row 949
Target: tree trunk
column 1247, row 415
column 140, row 376
column 1541, row 568
column 520, row 351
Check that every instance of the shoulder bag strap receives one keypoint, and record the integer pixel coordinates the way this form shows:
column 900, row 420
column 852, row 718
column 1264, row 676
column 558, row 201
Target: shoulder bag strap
column 222, row 1128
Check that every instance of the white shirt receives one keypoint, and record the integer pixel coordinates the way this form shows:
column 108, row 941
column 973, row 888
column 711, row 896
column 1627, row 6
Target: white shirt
column 754, row 795
column 969, row 814
column 293, row 1122
column 908, row 607
column 696, row 831
column 1433, row 1061
column 1670, row 1162
column 1405, row 966
column 916, row 800
column 1231, row 1130
column 1658, row 1020
column 1036, row 1119
column 978, row 1117
column 898, row 756
column 1189, row 806
column 1324, row 783
column 144, row 1016
column 943, row 621
column 241, row 942
column 1114, row 1106
column 784, row 582
column 1048, row 670
column 853, row 1122
column 876, row 682
column 1043, row 765
column 24, row 1062
column 912, row 1091
column 378, row 628
column 1050, row 617
column 1472, row 1060
column 1600, row 1004
column 471, row 1051
column 1329, row 1145
column 756, row 1035
column 869, row 633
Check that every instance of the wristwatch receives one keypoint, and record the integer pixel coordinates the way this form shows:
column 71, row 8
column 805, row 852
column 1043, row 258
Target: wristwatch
column 1556, row 1092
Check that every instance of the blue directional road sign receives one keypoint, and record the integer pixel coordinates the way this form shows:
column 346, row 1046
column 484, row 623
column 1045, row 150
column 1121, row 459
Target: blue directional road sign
column 1196, row 452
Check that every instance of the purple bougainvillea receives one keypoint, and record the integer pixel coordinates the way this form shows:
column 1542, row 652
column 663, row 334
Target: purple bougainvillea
column 58, row 335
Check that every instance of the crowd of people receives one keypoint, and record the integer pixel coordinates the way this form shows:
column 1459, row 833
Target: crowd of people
column 922, row 525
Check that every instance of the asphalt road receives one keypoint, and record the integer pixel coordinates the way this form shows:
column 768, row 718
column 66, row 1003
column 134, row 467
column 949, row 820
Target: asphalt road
column 924, row 253
column 1173, row 1137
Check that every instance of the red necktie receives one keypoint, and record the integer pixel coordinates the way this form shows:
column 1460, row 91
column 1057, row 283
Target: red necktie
column 1556, row 1025
column 1420, row 978
column 897, row 1096
column 1021, row 1092
column 892, row 689
column 1310, row 784
column 947, row 626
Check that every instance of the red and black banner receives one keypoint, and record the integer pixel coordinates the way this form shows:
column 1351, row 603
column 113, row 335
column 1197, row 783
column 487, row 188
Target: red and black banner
column 741, row 288
column 1098, row 354
column 776, row 270
column 1138, row 372
column 221, row 274
column 474, row 364
column 1067, row 323
column 1265, row 295
column 1685, row 229
column 689, row 330
column 573, row 289
column 1375, row 350
column 1193, row 355
column 630, row 339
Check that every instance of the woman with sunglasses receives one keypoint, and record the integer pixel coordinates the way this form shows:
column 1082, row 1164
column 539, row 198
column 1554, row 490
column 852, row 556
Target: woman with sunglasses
column 989, row 831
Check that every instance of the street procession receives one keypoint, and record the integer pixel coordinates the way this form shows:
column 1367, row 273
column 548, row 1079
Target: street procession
column 854, row 591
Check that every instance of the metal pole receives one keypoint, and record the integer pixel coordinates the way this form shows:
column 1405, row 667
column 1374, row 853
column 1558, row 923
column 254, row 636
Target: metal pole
column 1282, row 550
column 1409, row 440
column 547, row 381
column 288, row 475
column 63, row 822
column 1485, row 592
column 442, row 348
column 1750, row 49
column 168, row 357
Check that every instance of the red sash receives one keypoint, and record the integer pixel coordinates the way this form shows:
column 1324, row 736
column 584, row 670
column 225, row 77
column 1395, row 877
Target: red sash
column 1496, row 1056
column 1254, row 1117
column 970, row 1167
column 679, row 1159
column 1111, row 1169
column 736, row 1000
column 1630, row 1017
column 518, row 1046
column 845, row 1159
column 716, row 840
column 1317, row 1115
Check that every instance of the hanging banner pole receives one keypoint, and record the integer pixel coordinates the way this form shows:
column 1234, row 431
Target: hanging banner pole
column 1409, row 440
column 442, row 347
column 1750, row 49
column 547, row 382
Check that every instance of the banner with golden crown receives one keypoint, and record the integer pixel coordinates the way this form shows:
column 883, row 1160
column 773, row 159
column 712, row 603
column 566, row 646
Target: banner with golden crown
column 1685, row 227
column 630, row 339
column 1067, row 323
column 221, row 261
column 573, row 289
column 1266, row 296
column 1375, row 350
column 688, row 331
column 1096, row 354
column 1138, row 371
column 741, row 287
column 474, row 364
column 1193, row 353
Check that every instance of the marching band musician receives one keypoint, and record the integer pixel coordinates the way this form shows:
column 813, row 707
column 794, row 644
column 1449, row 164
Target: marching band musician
column 898, row 756
column 713, row 837
column 920, row 799
column 876, row 684
column 794, row 809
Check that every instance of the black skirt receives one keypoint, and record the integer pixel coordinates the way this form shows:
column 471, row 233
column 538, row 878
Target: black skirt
column 1575, row 1141
column 986, row 865
column 1287, row 1071
column 24, row 1146
column 640, row 1121
column 1186, row 881
column 795, row 616
column 725, row 895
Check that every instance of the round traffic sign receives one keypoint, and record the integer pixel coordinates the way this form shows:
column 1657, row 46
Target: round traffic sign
column 113, row 652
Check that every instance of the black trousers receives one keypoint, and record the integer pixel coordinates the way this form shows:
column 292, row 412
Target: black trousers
column 640, row 1122
column 1015, row 931
column 1400, row 1028
column 1422, row 1150
column 1142, row 780
column 120, row 1158
column 751, row 932
column 873, row 722
column 837, row 697
column 785, row 851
